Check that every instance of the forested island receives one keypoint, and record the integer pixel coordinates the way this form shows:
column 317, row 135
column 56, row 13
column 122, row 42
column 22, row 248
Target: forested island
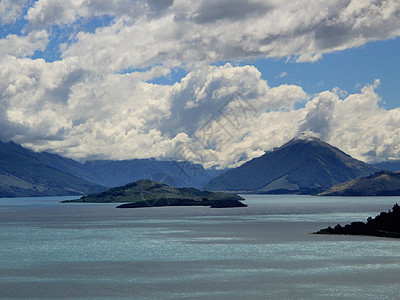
column 386, row 224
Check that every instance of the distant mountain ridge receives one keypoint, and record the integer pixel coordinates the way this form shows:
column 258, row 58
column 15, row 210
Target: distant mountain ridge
column 23, row 174
column 390, row 165
column 303, row 165
column 174, row 173
column 111, row 173
column 62, row 176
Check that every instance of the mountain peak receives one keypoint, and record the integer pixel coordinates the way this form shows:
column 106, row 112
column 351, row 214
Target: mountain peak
column 303, row 164
column 308, row 136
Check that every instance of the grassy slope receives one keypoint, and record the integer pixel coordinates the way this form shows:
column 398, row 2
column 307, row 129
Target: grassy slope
column 383, row 183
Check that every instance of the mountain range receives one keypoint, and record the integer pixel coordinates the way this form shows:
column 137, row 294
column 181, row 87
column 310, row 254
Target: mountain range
column 390, row 165
column 112, row 173
column 24, row 172
column 305, row 164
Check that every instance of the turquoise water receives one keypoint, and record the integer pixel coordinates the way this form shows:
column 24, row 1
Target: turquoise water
column 95, row 251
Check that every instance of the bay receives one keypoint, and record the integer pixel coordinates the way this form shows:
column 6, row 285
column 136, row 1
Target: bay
column 265, row 251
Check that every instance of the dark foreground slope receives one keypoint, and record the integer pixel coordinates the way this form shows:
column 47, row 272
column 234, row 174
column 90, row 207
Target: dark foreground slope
column 304, row 164
column 384, row 183
column 146, row 193
column 22, row 174
column 384, row 225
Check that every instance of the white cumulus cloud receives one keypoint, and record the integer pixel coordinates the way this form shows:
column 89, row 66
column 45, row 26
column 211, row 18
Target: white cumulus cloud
column 11, row 10
column 84, row 105
column 191, row 32
column 22, row 46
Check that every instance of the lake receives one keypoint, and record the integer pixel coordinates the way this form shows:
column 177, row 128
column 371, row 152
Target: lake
column 265, row 251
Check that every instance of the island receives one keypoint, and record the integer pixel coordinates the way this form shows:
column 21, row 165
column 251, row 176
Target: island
column 147, row 193
column 386, row 224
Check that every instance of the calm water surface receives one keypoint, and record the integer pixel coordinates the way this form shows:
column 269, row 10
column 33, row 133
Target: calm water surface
column 265, row 251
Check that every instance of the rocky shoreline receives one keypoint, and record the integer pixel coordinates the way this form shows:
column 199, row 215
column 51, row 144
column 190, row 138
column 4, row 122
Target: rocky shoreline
column 386, row 224
column 184, row 202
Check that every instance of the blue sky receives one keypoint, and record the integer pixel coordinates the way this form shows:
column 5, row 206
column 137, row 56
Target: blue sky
column 348, row 70
column 135, row 78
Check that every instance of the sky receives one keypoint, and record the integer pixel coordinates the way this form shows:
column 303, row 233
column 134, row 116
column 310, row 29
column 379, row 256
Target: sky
column 213, row 82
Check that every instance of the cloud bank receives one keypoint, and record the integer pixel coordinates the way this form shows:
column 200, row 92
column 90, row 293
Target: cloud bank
column 215, row 115
column 145, row 33
column 96, row 100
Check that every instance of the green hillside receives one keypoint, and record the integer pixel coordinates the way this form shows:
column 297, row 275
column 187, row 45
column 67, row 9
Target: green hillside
column 384, row 183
